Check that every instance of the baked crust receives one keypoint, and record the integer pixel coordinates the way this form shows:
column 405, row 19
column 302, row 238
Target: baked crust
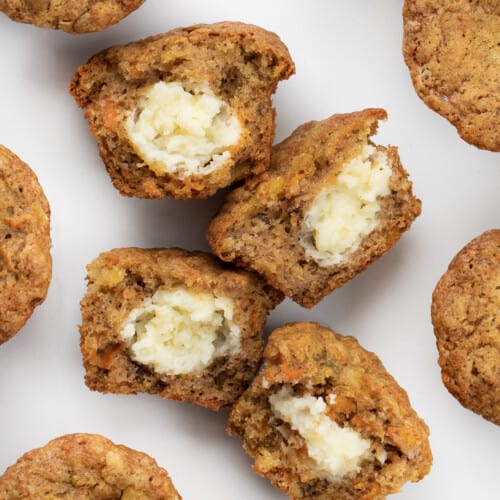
column 451, row 48
column 259, row 224
column 316, row 361
column 241, row 64
column 466, row 319
column 86, row 466
column 118, row 282
column 25, row 261
column 82, row 16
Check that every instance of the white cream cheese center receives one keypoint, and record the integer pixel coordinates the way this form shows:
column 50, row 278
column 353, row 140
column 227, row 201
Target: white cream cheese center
column 347, row 211
column 177, row 331
column 182, row 131
column 335, row 450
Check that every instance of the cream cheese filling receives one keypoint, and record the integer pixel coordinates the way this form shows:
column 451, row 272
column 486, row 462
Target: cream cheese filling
column 336, row 451
column 182, row 130
column 177, row 331
column 344, row 213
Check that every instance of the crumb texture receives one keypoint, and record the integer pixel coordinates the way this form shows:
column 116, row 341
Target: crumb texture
column 86, row 467
column 466, row 319
column 121, row 281
column 25, row 261
column 265, row 225
column 329, row 375
column 451, row 48
column 75, row 17
column 238, row 65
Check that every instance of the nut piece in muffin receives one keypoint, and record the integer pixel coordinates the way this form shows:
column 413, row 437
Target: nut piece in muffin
column 451, row 48
column 184, row 113
column 323, row 419
column 330, row 204
column 81, row 16
column 25, row 261
column 466, row 319
column 174, row 323
column 86, row 466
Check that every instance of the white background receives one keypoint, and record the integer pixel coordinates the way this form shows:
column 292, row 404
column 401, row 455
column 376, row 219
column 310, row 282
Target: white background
column 348, row 57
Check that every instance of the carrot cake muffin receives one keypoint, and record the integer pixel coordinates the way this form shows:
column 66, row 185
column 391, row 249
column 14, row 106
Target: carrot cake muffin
column 75, row 16
column 184, row 113
column 25, row 261
column 86, row 467
column 451, row 48
column 324, row 420
column 330, row 204
column 173, row 323
column 466, row 319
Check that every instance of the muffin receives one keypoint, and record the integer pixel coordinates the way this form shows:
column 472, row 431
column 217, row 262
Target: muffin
column 173, row 323
column 184, row 113
column 86, row 466
column 330, row 204
column 25, row 261
column 466, row 319
column 323, row 419
column 453, row 55
column 80, row 16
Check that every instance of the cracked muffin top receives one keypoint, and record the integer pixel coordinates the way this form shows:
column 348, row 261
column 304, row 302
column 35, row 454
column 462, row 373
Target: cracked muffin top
column 25, row 261
column 451, row 48
column 466, row 319
column 86, row 466
column 83, row 16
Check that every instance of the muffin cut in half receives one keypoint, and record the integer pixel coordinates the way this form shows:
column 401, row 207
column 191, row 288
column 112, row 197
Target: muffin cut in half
column 173, row 323
column 25, row 260
column 185, row 113
column 75, row 17
column 330, row 204
column 323, row 419
column 466, row 319
column 86, row 466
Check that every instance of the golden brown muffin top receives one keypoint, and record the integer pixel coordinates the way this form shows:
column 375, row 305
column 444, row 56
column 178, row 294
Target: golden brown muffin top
column 86, row 467
column 82, row 16
column 25, row 261
column 451, row 48
column 466, row 318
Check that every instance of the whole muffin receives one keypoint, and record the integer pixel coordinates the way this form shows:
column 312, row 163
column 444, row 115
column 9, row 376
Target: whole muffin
column 330, row 204
column 324, row 420
column 86, row 467
column 466, row 319
column 174, row 323
column 72, row 16
column 451, row 48
column 184, row 113
column 25, row 261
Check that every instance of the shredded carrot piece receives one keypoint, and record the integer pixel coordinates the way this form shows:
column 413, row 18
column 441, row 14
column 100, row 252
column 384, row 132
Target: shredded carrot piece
column 288, row 372
column 109, row 114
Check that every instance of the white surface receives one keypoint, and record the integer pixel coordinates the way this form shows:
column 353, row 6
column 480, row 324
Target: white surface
column 348, row 56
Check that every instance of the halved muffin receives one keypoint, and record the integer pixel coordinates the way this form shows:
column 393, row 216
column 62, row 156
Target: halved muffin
column 184, row 113
column 323, row 419
column 330, row 204
column 173, row 323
